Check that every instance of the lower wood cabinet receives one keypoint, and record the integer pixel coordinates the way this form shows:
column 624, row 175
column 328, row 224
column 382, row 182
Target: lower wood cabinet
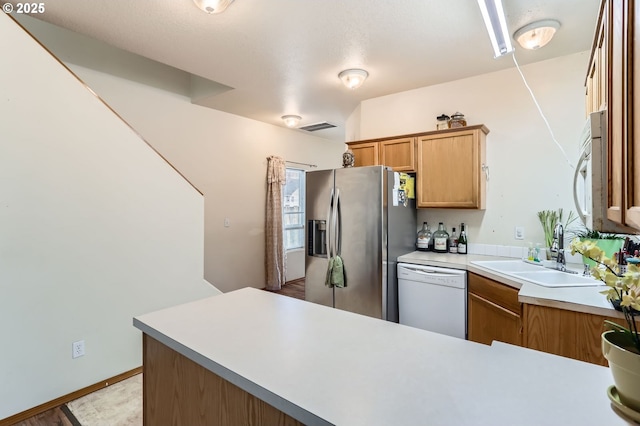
column 493, row 312
column 177, row 391
column 572, row 334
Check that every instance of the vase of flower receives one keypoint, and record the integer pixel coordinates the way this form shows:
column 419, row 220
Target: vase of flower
column 624, row 363
column 620, row 345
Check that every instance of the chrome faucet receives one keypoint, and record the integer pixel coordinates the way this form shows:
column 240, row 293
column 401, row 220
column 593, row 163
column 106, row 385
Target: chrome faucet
column 558, row 246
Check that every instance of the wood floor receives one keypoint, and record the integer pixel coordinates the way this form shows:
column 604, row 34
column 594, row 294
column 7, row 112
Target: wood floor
column 293, row 288
column 61, row 416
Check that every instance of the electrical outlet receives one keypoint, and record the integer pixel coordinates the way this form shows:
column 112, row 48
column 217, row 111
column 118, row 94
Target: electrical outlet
column 519, row 233
column 77, row 349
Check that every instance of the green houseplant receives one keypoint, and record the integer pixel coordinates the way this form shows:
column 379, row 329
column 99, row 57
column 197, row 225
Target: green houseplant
column 549, row 219
column 620, row 344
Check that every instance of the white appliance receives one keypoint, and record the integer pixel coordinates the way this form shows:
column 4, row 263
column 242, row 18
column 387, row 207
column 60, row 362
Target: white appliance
column 433, row 299
column 590, row 177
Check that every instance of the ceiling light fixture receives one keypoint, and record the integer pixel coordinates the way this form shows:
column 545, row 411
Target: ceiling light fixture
column 291, row 120
column 536, row 34
column 353, row 78
column 213, row 6
column 496, row 23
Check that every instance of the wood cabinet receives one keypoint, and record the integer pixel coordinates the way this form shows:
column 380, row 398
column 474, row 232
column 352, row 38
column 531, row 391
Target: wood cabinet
column 571, row 334
column 596, row 81
column 397, row 153
column 451, row 170
column 365, row 154
column 176, row 390
column 611, row 84
column 493, row 312
column 631, row 153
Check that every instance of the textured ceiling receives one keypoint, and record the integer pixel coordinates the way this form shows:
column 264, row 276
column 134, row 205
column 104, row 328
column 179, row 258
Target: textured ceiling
column 283, row 56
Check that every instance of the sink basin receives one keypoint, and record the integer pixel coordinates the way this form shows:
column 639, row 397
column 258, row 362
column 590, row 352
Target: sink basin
column 537, row 274
column 551, row 278
column 508, row 266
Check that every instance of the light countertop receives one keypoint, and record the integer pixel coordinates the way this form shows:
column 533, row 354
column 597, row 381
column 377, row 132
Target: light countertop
column 327, row 366
column 579, row 299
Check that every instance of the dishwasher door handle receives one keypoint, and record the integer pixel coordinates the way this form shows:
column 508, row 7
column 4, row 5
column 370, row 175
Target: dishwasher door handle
column 428, row 272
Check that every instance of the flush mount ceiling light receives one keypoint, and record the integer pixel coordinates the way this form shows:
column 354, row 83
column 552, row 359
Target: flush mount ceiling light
column 353, row 78
column 291, row 120
column 496, row 23
column 213, row 6
column 536, row 34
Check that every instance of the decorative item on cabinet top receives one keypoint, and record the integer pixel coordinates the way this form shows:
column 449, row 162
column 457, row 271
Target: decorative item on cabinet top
column 348, row 158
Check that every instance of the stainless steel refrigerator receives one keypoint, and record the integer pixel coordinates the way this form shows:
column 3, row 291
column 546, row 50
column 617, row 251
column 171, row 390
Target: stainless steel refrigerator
column 353, row 212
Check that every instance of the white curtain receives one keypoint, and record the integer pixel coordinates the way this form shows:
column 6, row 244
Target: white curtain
column 274, row 248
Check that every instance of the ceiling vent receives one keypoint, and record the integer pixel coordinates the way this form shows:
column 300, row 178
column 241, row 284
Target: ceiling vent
column 318, row 126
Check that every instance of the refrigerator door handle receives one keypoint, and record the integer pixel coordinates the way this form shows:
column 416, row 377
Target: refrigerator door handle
column 338, row 225
column 330, row 227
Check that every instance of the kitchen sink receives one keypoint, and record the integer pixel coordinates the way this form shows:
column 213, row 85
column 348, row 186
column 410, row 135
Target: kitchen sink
column 537, row 274
column 551, row 278
column 508, row 266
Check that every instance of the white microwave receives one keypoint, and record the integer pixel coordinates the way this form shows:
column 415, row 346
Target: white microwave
column 590, row 177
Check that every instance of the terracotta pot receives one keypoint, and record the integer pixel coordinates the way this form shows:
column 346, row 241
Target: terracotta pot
column 625, row 368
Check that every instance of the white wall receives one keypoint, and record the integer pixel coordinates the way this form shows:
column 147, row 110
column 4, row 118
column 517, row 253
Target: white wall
column 528, row 173
column 224, row 155
column 95, row 228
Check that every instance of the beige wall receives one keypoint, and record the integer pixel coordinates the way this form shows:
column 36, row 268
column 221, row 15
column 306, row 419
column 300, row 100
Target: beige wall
column 223, row 155
column 528, row 173
column 95, row 228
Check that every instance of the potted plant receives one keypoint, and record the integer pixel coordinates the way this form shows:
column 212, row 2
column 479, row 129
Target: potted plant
column 549, row 219
column 609, row 243
column 620, row 344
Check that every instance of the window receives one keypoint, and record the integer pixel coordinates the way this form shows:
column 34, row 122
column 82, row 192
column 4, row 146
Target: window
column 293, row 210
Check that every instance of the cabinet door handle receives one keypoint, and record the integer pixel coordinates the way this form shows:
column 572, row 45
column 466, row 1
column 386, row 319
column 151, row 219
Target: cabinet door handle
column 485, row 169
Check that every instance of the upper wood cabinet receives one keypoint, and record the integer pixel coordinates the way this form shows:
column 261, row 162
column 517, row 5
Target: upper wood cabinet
column 450, row 171
column 596, row 81
column 365, row 154
column 631, row 154
column 611, row 84
column 397, row 153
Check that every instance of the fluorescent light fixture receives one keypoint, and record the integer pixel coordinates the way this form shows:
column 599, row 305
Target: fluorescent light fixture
column 536, row 34
column 213, row 6
column 496, row 23
column 353, row 78
column 291, row 120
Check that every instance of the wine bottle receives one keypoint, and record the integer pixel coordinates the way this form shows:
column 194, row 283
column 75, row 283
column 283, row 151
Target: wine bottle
column 462, row 240
column 440, row 239
column 453, row 241
column 424, row 237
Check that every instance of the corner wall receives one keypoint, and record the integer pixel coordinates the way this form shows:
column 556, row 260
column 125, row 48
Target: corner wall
column 95, row 228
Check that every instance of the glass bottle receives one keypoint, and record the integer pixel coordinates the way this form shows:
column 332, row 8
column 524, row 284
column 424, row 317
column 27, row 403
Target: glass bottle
column 424, row 237
column 440, row 239
column 453, row 241
column 457, row 120
column 442, row 122
column 462, row 240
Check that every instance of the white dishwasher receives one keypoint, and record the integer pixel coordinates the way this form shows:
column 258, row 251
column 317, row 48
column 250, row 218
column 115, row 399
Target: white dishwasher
column 433, row 299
